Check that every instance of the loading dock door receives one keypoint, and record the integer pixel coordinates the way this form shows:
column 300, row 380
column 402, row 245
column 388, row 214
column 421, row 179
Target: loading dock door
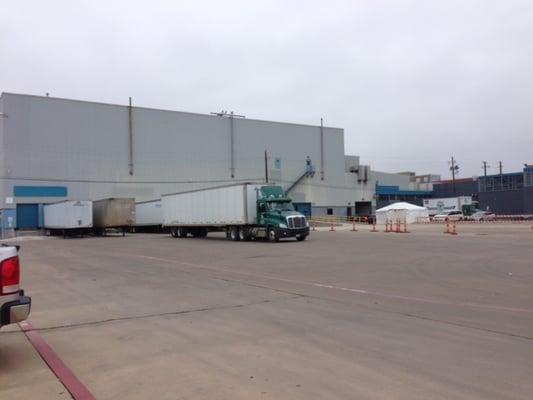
column 363, row 208
column 27, row 216
column 304, row 208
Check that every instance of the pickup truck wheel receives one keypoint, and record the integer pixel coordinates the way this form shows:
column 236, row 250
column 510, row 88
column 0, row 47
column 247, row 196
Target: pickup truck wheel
column 182, row 232
column 234, row 233
column 273, row 235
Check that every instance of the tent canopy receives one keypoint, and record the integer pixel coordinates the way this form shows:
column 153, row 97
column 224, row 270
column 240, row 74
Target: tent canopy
column 401, row 206
column 402, row 211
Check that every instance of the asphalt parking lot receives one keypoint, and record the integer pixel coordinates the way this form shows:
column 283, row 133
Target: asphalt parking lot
column 344, row 315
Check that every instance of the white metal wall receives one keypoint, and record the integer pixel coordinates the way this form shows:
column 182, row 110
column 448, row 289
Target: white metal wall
column 84, row 146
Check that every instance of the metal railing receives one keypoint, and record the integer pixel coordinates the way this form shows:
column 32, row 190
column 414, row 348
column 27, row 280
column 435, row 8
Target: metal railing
column 329, row 219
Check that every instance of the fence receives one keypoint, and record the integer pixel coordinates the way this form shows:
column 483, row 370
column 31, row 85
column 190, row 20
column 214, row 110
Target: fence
column 496, row 220
column 328, row 219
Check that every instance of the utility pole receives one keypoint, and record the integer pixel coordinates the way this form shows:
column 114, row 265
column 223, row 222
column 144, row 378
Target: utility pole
column 455, row 170
column 485, row 166
column 500, row 168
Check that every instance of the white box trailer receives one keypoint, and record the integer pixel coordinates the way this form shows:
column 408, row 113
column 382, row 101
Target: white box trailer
column 447, row 204
column 243, row 211
column 149, row 214
column 68, row 216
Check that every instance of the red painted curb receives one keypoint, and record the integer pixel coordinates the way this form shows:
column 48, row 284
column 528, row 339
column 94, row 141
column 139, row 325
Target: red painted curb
column 67, row 378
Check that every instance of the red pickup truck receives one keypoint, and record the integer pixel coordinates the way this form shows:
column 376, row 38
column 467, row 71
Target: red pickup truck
column 14, row 305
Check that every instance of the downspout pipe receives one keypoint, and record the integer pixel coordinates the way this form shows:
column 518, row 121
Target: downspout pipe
column 322, row 149
column 130, row 136
column 232, row 144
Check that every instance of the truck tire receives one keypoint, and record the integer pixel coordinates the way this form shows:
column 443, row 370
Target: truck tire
column 273, row 235
column 301, row 238
column 244, row 234
column 234, row 233
column 182, row 232
column 174, row 232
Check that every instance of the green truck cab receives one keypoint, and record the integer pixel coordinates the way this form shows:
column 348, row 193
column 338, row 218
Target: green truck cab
column 277, row 215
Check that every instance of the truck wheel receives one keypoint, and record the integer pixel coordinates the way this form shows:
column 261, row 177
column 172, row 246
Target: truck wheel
column 182, row 232
column 174, row 231
column 244, row 234
column 301, row 238
column 273, row 235
column 234, row 233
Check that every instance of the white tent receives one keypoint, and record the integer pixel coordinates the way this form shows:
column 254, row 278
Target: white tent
column 402, row 211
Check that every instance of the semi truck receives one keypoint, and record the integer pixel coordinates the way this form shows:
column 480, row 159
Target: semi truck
column 244, row 211
column 446, row 205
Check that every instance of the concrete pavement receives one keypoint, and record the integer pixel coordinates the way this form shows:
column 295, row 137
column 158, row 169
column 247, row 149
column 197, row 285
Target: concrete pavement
column 344, row 315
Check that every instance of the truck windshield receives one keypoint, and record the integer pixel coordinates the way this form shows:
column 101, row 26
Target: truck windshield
column 280, row 206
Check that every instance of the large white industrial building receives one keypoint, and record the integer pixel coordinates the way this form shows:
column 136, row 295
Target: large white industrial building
column 54, row 149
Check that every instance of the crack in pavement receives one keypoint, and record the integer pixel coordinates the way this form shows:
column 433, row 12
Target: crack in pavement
column 461, row 325
column 154, row 315
column 360, row 291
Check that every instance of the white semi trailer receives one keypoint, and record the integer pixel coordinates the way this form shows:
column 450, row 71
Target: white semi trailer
column 450, row 204
column 243, row 211
column 68, row 217
column 148, row 215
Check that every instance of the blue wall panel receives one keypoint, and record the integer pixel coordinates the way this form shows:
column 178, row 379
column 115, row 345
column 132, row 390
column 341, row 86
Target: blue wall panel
column 40, row 191
column 9, row 218
column 304, row 208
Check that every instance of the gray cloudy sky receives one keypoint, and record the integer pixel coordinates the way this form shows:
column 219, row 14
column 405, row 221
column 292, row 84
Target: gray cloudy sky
column 411, row 82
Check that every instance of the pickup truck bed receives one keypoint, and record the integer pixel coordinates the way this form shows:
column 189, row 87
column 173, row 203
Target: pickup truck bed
column 14, row 305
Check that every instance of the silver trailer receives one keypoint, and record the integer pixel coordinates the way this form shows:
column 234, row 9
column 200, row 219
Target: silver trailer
column 68, row 217
column 117, row 213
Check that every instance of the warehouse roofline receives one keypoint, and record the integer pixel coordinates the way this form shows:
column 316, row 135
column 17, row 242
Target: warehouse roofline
column 162, row 109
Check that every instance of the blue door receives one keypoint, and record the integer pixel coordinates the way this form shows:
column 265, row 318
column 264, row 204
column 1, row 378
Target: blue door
column 304, row 208
column 27, row 216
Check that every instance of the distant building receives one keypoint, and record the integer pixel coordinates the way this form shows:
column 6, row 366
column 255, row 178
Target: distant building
column 509, row 193
column 402, row 186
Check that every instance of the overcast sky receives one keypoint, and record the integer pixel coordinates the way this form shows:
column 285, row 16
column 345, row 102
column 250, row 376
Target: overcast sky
column 411, row 82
